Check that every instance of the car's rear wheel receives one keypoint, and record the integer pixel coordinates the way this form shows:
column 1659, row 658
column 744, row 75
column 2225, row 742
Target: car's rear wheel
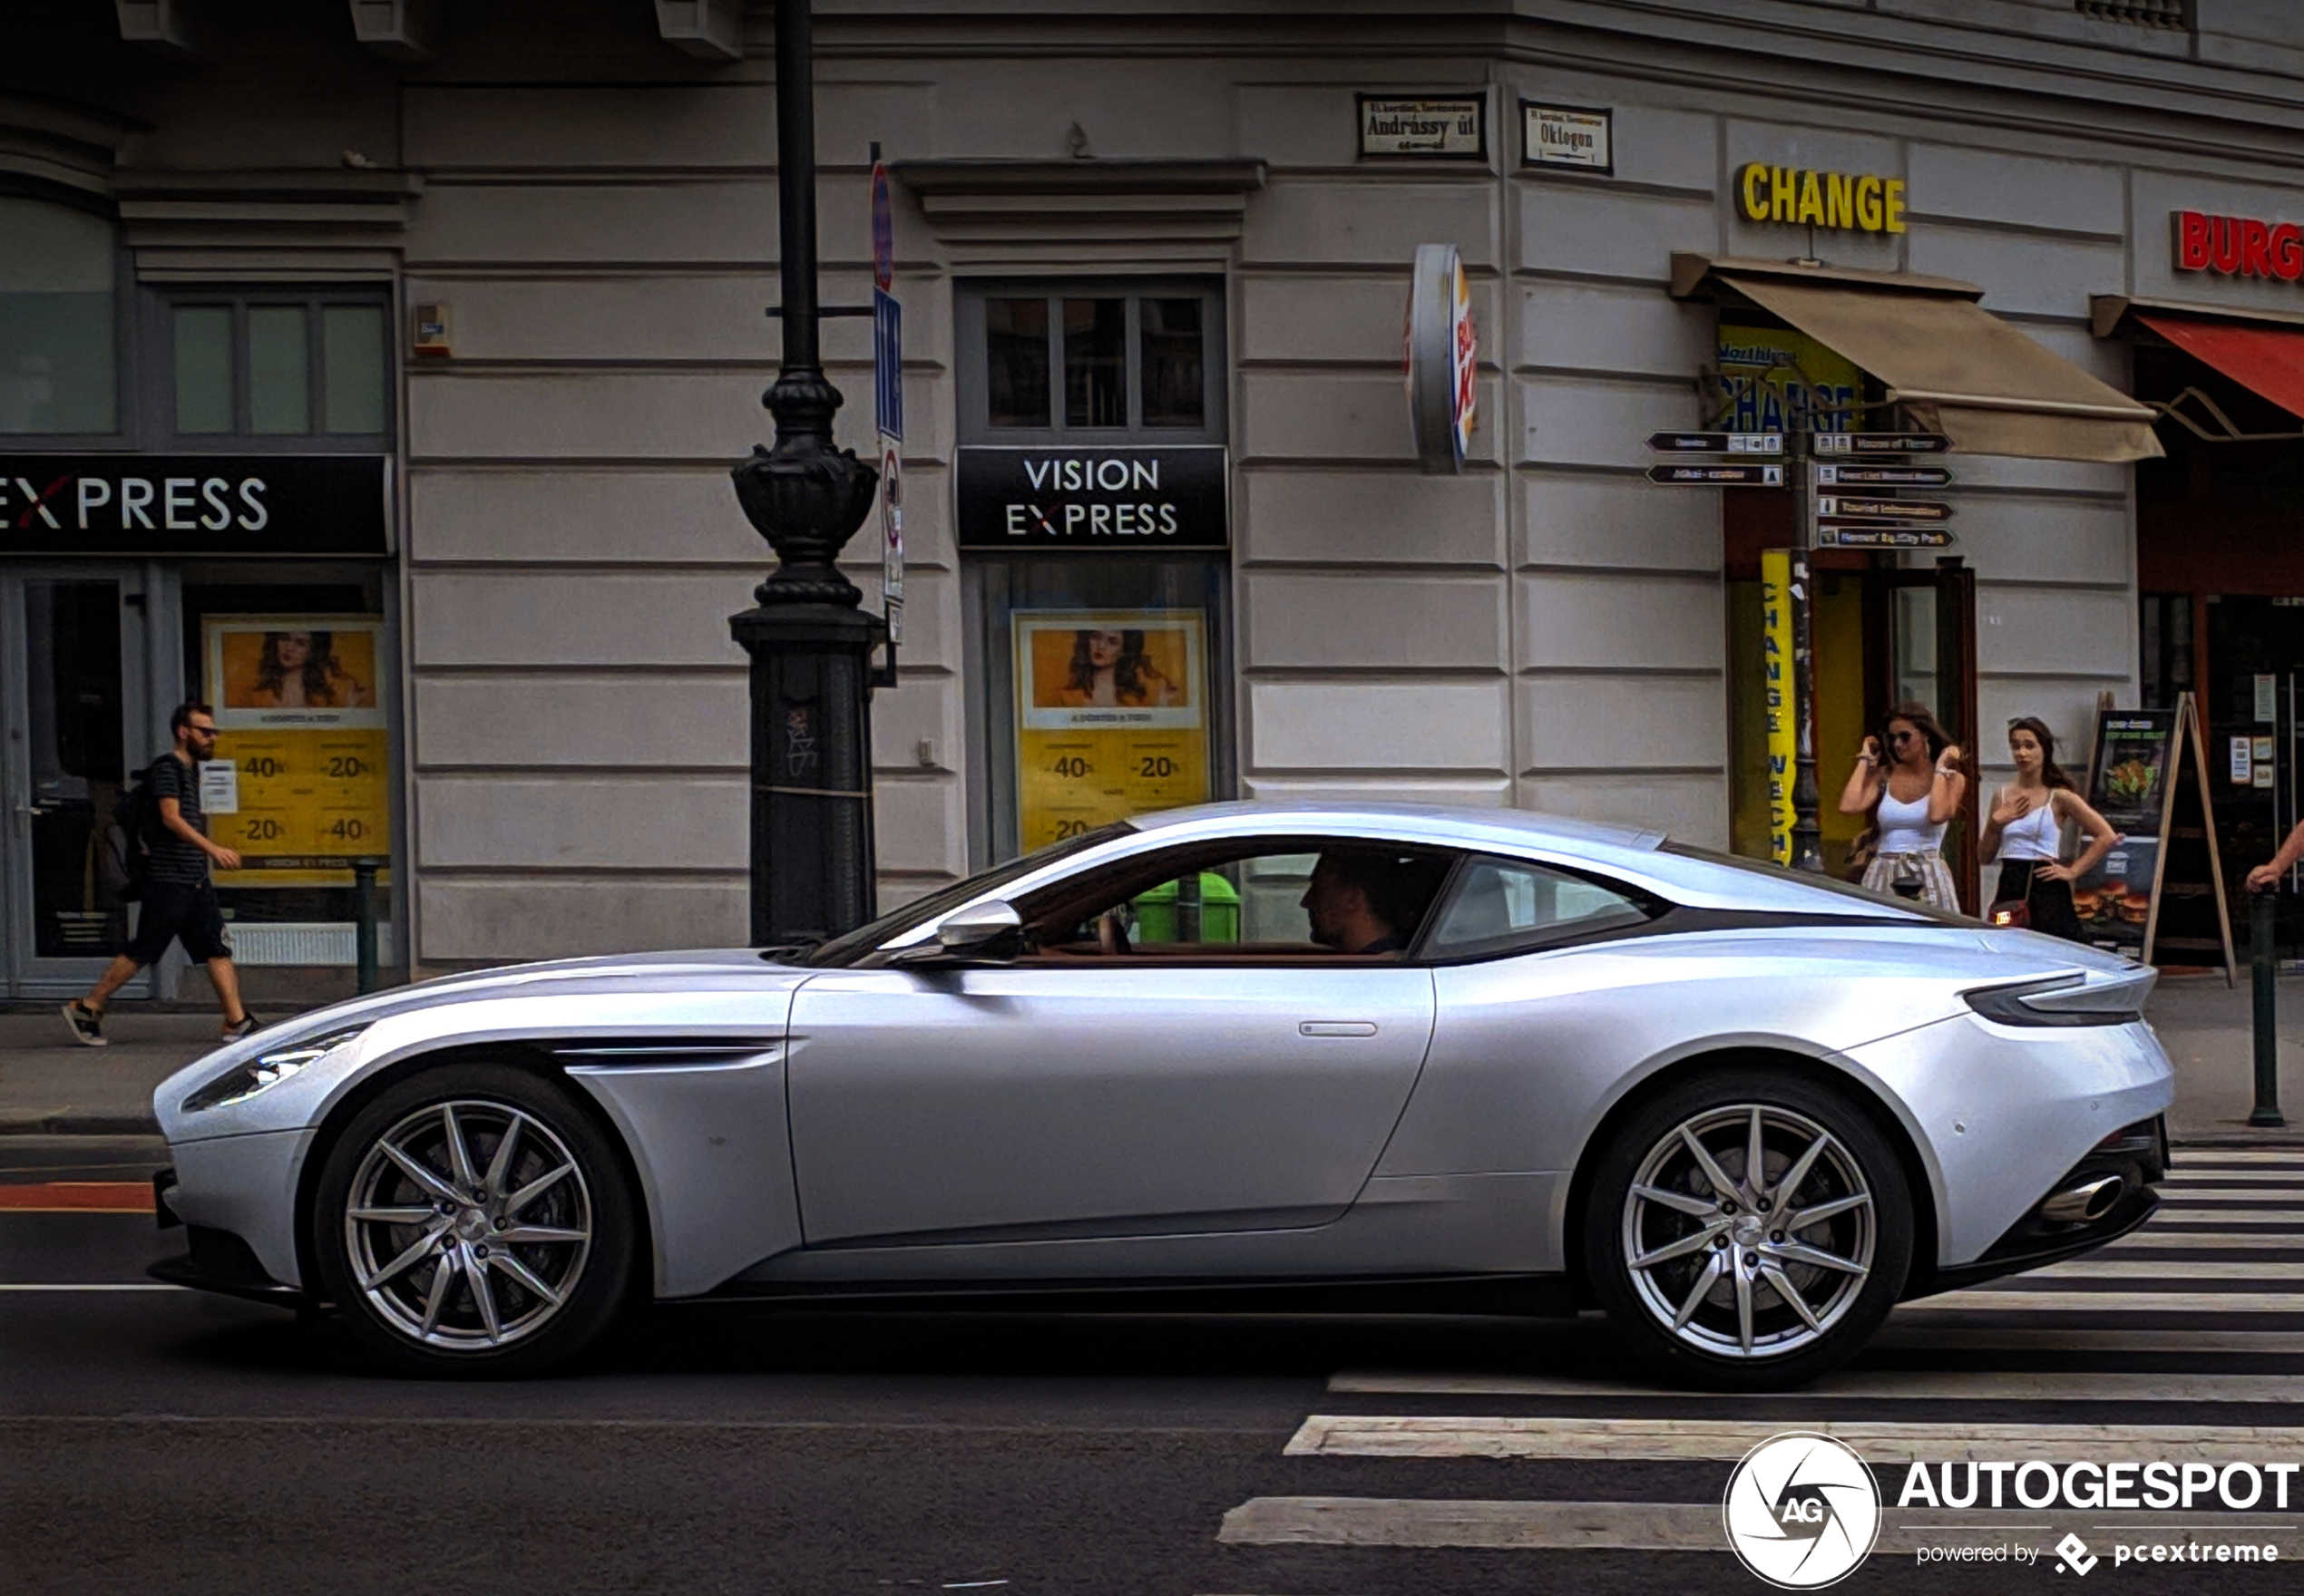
column 1748, row 1230
column 473, row 1220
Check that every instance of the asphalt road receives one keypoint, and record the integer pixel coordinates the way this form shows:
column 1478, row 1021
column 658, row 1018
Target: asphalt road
column 156, row 1440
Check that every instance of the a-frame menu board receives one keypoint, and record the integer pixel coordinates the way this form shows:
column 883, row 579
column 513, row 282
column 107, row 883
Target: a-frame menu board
column 2160, row 889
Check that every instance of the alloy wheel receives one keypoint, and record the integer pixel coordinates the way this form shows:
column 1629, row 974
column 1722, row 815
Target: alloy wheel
column 1749, row 1230
column 467, row 1225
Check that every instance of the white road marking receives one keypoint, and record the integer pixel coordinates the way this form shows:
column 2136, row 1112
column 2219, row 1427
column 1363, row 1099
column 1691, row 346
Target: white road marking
column 1983, row 1300
column 1668, row 1527
column 1877, row 1441
column 92, row 1285
column 2289, row 1193
column 2178, row 1213
column 2096, row 1267
column 2205, row 1240
column 1911, row 1332
column 2188, row 1160
column 1868, row 1385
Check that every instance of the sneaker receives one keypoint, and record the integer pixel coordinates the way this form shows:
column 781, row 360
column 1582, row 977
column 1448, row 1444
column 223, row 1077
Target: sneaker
column 87, row 1026
column 246, row 1028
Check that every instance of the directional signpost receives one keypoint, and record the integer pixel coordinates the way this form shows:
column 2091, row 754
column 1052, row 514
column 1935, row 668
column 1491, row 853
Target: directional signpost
column 1882, row 536
column 1719, row 476
column 1882, row 476
column 1830, row 507
column 1881, row 442
column 1718, row 443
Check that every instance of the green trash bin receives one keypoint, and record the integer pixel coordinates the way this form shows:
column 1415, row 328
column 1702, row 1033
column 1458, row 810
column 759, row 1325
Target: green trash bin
column 1157, row 917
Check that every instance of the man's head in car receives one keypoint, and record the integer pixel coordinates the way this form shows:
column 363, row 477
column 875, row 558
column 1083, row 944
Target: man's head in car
column 1367, row 901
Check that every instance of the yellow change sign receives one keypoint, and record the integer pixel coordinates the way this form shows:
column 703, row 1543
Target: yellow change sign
column 1111, row 717
column 298, row 702
column 1776, row 665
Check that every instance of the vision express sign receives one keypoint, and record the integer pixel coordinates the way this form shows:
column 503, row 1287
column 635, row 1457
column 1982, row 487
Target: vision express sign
column 1111, row 499
column 174, row 504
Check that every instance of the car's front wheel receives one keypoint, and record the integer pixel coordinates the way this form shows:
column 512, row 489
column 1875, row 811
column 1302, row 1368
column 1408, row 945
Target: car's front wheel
column 473, row 1220
column 1748, row 1230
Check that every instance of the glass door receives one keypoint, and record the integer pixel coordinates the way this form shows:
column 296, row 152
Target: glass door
column 73, row 709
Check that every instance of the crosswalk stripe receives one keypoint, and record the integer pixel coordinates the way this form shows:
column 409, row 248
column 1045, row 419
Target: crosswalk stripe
column 2192, row 1158
column 1877, row 1441
column 1679, row 1526
column 2095, row 1267
column 1907, row 1333
column 1866, row 1385
column 1982, row 1299
column 2226, row 1192
column 2204, row 1240
column 2178, row 1213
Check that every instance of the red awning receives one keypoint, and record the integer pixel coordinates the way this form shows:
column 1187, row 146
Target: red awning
column 2266, row 360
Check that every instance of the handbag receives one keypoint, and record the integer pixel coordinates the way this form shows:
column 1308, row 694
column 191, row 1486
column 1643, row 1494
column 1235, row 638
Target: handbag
column 2015, row 913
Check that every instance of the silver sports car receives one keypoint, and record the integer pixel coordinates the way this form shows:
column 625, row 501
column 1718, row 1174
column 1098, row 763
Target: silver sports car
column 1340, row 1054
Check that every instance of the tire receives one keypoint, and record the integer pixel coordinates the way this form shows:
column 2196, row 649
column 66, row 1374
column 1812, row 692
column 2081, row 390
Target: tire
column 435, row 1283
column 1651, row 1199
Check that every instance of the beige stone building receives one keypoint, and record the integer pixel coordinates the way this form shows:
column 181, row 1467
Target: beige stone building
column 1114, row 230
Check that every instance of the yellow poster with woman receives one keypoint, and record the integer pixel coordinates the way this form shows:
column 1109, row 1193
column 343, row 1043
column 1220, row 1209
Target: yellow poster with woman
column 298, row 705
column 1111, row 717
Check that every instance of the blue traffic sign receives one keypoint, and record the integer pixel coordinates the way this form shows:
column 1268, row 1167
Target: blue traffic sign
column 888, row 364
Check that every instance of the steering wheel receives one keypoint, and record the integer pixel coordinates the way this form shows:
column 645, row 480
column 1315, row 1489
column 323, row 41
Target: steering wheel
column 1111, row 936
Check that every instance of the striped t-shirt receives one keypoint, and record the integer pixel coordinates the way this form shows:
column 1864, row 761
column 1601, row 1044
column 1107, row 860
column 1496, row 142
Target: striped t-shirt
column 174, row 859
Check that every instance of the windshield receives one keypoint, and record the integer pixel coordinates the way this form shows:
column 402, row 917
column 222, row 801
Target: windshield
column 854, row 945
column 1823, row 884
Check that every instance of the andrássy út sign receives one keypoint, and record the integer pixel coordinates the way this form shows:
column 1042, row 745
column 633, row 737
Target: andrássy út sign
column 1121, row 497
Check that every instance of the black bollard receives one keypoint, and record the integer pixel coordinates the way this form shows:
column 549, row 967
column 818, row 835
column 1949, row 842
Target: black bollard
column 364, row 922
column 2263, row 968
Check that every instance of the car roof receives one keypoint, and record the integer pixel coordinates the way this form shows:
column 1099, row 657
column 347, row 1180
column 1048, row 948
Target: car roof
column 1453, row 824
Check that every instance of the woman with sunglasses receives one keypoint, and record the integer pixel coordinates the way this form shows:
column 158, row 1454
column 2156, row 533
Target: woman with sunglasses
column 2025, row 831
column 1909, row 794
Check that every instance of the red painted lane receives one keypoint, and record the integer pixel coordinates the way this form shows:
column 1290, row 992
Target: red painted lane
column 78, row 1197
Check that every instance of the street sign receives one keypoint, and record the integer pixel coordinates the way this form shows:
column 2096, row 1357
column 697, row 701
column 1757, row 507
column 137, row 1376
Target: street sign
column 888, row 364
column 1830, row 508
column 1719, row 476
column 1882, row 476
column 1881, row 442
column 1882, row 536
column 1717, row 442
column 883, row 230
column 891, row 540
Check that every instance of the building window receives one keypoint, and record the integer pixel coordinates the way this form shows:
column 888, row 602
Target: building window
column 279, row 367
column 1099, row 363
column 59, row 347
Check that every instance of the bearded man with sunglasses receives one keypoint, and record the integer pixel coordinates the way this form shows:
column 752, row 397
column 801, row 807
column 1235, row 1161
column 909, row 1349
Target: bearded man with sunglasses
column 178, row 903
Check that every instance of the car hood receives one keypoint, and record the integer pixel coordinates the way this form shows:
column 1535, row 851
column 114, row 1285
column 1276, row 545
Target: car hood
column 623, row 972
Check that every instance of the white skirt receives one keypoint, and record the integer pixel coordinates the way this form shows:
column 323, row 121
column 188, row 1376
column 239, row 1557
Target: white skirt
column 1936, row 888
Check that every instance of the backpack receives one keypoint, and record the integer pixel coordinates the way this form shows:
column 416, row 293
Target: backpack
column 136, row 817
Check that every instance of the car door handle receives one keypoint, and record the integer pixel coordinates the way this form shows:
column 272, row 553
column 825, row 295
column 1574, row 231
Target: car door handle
column 1337, row 1027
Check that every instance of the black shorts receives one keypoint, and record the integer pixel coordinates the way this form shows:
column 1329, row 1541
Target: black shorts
column 183, row 912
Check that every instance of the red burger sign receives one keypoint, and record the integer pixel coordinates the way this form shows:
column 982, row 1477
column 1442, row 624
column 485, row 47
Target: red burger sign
column 2238, row 246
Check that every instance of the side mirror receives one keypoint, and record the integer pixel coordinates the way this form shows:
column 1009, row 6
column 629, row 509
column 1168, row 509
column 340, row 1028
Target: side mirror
column 981, row 928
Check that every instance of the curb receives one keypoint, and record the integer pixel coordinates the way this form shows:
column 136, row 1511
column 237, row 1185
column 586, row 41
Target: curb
column 67, row 1121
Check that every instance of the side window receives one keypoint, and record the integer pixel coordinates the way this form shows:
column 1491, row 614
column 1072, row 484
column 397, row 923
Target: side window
column 1279, row 900
column 1504, row 905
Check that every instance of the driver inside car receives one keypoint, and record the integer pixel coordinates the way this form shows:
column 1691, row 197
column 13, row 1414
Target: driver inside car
column 1369, row 902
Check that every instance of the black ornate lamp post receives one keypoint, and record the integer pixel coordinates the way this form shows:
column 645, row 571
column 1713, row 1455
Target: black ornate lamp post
column 811, row 644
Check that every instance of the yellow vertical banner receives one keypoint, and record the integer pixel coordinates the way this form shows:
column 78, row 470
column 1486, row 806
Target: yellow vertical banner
column 1776, row 677
column 1111, row 717
column 302, row 765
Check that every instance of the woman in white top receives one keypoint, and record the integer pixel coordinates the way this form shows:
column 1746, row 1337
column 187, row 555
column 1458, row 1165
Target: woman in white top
column 2025, row 832
column 1911, row 792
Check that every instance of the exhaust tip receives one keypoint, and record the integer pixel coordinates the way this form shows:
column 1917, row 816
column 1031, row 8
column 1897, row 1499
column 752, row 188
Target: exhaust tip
column 2091, row 1200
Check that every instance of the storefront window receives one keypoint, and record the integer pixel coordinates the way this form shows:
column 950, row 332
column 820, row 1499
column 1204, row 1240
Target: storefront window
column 203, row 369
column 1016, row 362
column 1175, row 379
column 58, row 352
column 1096, row 362
column 272, row 367
column 279, row 393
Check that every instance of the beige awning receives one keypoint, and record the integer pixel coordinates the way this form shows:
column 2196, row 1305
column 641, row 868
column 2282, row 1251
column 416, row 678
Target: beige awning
column 1954, row 366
